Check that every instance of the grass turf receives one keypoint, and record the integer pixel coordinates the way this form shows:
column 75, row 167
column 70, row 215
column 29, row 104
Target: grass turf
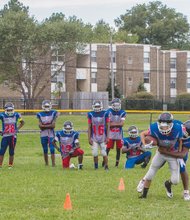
column 32, row 191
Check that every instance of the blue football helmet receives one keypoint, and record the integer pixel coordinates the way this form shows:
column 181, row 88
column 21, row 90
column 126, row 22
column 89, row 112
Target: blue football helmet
column 116, row 104
column 68, row 127
column 9, row 108
column 97, row 106
column 165, row 123
column 46, row 105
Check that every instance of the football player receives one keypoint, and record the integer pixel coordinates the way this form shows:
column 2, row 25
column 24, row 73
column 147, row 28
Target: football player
column 117, row 119
column 98, row 130
column 69, row 145
column 47, row 119
column 9, row 119
column 167, row 134
column 133, row 148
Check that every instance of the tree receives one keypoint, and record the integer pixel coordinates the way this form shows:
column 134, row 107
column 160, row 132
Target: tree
column 117, row 93
column 27, row 48
column 156, row 24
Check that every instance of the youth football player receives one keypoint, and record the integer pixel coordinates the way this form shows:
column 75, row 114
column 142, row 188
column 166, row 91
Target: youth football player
column 98, row 130
column 167, row 134
column 69, row 146
column 117, row 119
column 9, row 120
column 47, row 119
column 133, row 148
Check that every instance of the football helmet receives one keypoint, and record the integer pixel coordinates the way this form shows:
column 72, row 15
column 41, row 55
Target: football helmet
column 9, row 108
column 46, row 105
column 97, row 106
column 68, row 127
column 186, row 130
column 116, row 104
column 133, row 131
column 165, row 123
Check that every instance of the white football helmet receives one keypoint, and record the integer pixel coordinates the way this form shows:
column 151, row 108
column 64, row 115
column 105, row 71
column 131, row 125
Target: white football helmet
column 133, row 131
column 97, row 106
column 116, row 104
column 46, row 105
column 68, row 127
column 165, row 123
column 9, row 108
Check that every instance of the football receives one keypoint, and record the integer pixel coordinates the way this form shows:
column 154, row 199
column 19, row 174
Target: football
column 149, row 139
column 72, row 166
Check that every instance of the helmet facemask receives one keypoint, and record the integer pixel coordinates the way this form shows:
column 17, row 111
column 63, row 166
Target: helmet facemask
column 68, row 127
column 9, row 109
column 164, row 127
column 133, row 132
column 97, row 106
column 116, row 104
column 46, row 106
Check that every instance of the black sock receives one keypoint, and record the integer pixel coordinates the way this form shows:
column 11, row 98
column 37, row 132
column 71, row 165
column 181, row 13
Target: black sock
column 145, row 192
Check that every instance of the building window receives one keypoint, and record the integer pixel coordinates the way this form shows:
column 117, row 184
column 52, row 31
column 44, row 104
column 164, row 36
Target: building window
column 188, row 83
column 93, row 77
column 130, row 60
column 188, row 63
column 93, row 56
column 173, row 83
column 146, row 57
column 146, row 76
column 59, row 77
column 173, row 63
column 58, row 56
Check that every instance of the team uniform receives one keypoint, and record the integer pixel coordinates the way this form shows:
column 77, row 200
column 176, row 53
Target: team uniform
column 135, row 154
column 9, row 132
column 9, row 119
column 168, row 141
column 47, row 134
column 116, row 133
column 98, row 120
column 98, row 129
column 68, row 149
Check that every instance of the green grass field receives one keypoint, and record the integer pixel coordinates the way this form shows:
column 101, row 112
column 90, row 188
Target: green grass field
column 32, row 191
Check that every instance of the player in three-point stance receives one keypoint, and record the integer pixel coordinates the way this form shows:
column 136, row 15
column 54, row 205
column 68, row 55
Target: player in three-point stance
column 98, row 129
column 9, row 119
column 69, row 146
column 168, row 135
column 47, row 119
column 133, row 148
column 117, row 119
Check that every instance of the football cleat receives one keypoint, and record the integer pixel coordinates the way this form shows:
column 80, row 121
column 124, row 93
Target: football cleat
column 186, row 195
column 140, row 186
column 168, row 187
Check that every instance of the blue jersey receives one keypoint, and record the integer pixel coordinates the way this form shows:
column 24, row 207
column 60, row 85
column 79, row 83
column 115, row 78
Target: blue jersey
column 170, row 140
column 98, row 120
column 67, row 141
column 133, row 144
column 116, row 133
column 9, row 123
column 47, row 118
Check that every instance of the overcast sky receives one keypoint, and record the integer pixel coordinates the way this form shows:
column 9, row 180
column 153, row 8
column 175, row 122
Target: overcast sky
column 90, row 11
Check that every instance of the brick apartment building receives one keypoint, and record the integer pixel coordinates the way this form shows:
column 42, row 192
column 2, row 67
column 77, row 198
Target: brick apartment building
column 165, row 73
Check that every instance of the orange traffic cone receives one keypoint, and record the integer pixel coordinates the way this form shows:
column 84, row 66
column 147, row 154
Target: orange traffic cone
column 121, row 186
column 67, row 204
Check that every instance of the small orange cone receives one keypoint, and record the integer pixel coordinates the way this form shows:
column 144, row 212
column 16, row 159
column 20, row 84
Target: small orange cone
column 121, row 186
column 67, row 204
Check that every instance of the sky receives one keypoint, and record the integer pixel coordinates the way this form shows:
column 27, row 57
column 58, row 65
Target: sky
column 91, row 11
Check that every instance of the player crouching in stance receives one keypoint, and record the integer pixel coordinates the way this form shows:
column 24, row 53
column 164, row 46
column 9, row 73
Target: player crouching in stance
column 47, row 119
column 9, row 132
column 167, row 134
column 98, row 129
column 133, row 149
column 68, row 145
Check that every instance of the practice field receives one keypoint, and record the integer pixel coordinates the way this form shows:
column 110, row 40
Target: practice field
column 32, row 191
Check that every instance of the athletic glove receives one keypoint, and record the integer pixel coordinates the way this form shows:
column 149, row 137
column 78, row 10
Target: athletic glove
column 181, row 162
column 148, row 146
